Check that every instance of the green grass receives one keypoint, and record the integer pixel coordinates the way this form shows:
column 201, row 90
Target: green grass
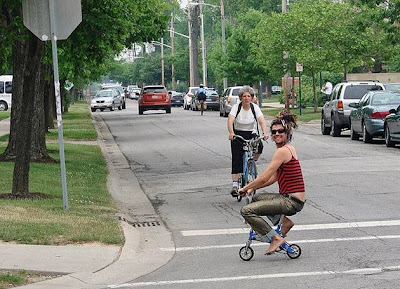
column 273, row 98
column 307, row 114
column 5, row 114
column 91, row 214
column 77, row 124
column 12, row 279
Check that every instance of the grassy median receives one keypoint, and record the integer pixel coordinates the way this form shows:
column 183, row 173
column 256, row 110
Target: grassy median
column 91, row 214
column 307, row 114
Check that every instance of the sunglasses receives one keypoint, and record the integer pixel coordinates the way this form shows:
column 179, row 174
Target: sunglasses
column 274, row 131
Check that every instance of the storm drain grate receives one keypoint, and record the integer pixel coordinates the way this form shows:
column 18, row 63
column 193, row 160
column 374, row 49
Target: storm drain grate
column 141, row 224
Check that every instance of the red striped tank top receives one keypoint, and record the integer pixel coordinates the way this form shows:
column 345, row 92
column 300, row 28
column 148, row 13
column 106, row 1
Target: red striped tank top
column 290, row 177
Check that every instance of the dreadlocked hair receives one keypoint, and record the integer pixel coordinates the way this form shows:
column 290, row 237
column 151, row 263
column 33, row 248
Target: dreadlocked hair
column 287, row 120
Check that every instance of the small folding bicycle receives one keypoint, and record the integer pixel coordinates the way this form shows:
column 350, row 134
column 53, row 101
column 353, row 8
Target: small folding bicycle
column 249, row 165
column 292, row 250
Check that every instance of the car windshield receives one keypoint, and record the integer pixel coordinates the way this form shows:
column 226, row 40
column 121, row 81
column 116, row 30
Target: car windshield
column 386, row 99
column 393, row 86
column 104, row 93
column 211, row 93
column 358, row 91
column 154, row 89
column 235, row 91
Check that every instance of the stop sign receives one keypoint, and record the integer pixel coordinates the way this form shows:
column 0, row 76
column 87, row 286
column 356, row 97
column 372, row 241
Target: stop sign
column 67, row 15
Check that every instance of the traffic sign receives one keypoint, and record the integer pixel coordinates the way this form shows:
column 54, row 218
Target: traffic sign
column 67, row 15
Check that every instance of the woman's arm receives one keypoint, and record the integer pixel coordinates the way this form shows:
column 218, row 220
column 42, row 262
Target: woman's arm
column 231, row 119
column 261, row 121
column 268, row 177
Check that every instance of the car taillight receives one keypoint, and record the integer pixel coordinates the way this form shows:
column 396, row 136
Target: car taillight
column 379, row 114
column 190, row 94
column 340, row 105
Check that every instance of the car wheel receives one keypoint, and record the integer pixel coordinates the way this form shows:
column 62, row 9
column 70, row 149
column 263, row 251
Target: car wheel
column 120, row 107
column 388, row 140
column 93, row 109
column 3, row 106
column 140, row 110
column 112, row 108
column 353, row 134
column 168, row 110
column 324, row 129
column 101, row 109
column 367, row 138
column 335, row 129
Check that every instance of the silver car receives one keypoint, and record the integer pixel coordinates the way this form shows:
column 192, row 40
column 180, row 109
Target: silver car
column 228, row 99
column 106, row 99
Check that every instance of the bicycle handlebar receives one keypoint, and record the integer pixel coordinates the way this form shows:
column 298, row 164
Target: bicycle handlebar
column 250, row 140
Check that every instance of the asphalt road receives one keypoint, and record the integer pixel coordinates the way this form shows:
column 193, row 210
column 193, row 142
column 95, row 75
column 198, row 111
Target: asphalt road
column 349, row 230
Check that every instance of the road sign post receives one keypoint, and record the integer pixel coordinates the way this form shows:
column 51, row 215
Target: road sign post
column 54, row 19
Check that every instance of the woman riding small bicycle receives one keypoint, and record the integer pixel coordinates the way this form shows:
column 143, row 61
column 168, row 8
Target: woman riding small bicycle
column 285, row 169
column 243, row 120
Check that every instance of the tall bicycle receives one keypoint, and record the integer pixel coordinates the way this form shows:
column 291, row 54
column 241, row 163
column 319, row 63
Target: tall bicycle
column 249, row 173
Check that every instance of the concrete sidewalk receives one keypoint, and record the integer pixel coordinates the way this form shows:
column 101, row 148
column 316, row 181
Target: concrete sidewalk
column 97, row 266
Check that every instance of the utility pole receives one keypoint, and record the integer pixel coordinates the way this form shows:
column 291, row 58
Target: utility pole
column 172, row 53
column 286, row 56
column 225, row 80
column 203, row 45
column 162, row 62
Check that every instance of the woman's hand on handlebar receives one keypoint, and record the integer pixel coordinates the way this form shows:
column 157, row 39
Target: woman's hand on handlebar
column 231, row 136
column 266, row 136
column 244, row 193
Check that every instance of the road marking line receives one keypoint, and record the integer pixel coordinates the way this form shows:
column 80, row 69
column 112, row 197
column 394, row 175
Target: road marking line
column 358, row 271
column 295, row 228
column 197, row 248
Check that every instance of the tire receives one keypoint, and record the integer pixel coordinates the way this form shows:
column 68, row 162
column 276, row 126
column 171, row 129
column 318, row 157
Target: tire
column 93, row 109
column 3, row 106
column 168, row 110
column 101, row 109
column 366, row 137
column 296, row 252
column 120, row 107
column 335, row 129
column 140, row 110
column 353, row 134
column 246, row 253
column 324, row 129
column 112, row 108
column 388, row 140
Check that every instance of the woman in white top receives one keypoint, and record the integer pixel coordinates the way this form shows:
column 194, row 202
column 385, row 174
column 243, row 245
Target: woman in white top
column 245, row 123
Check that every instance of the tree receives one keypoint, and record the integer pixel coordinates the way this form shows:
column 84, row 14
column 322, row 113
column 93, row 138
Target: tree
column 107, row 26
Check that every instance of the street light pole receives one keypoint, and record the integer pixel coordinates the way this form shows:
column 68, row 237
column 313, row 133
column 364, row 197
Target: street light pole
column 162, row 62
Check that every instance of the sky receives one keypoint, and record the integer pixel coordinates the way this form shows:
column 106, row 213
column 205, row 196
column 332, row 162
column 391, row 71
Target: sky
column 183, row 3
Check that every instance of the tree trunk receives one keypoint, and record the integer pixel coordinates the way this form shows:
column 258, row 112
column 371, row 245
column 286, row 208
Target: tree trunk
column 314, row 91
column 27, row 55
column 48, row 101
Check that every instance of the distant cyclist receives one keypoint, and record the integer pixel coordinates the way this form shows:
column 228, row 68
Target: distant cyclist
column 285, row 169
column 201, row 97
column 243, row 120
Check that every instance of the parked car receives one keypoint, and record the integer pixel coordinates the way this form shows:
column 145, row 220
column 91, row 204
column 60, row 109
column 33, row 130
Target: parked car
column 154, row 97
column 188, row 96
column 368, row 117
column 117, row 87
column 106, row 98
column 228, row 99
column 176, row 98
column 5, row 92
column 134, row 91
column 212, row 101
column 392, row 127
column 335, row 114
column 392, row 86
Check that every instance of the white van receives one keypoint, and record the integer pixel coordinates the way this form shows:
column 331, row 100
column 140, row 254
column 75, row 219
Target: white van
column 5, row 92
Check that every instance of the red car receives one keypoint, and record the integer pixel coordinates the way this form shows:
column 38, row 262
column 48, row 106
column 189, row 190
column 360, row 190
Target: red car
column 154, row 97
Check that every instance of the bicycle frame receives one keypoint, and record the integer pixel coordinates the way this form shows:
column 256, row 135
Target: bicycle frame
column 249, row 172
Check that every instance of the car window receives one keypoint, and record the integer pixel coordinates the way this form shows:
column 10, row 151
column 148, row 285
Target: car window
column 386, row 99
column 8, row 86
column 393, row 86
column 1, row 87
column 357, row 91
column 154, row 89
